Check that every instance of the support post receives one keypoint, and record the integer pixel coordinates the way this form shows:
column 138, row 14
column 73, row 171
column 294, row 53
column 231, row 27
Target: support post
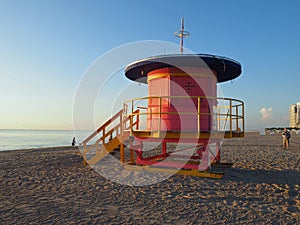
column 131, row 153
column 164, row 149
column 218, row 152
column 122, row 155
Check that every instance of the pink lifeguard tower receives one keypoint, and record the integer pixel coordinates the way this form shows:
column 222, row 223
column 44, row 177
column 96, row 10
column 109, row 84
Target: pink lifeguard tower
column 182, row 106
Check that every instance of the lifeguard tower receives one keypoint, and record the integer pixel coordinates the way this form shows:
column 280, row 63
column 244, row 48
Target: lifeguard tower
column 182, row 108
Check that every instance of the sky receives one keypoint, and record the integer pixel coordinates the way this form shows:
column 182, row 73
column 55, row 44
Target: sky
column 46, row 48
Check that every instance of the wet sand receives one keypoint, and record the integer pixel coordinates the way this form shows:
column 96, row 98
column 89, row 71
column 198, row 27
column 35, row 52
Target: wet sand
column 51, row 186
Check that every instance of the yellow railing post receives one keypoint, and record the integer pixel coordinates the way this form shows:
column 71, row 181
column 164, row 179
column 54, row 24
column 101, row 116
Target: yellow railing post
column 159, row 121
column 219, row 117
column 199, row 108
column 132, row 106
column 84, row 155
column 137, row 121
column 121, row 126
column 243, row 116
column 236, row 117
column 103, row 134
column 130, row 118
column 230, row 117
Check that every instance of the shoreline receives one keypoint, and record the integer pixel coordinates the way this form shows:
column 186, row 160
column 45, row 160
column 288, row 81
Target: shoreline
column 51, row 185
column 54, row 148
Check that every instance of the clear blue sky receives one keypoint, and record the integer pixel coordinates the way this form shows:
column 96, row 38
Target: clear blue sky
column 46, row 46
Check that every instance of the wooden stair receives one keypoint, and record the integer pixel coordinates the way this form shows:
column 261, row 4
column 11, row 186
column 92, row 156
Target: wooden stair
column 108, row 148
column 112, row 135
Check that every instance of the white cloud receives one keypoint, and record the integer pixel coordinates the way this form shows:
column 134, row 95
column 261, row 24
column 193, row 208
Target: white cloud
column 266, row 114
column 268, row 117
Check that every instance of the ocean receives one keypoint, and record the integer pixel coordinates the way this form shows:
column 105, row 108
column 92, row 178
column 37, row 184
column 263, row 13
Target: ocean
column 24, row 139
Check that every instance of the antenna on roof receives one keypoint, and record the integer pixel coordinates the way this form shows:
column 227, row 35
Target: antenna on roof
column 182, row 34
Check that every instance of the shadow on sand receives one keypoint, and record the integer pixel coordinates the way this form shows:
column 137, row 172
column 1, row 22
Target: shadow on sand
column 259, row 176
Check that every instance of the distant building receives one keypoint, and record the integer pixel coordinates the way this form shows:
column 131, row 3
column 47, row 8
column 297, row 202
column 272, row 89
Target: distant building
column 295, row 115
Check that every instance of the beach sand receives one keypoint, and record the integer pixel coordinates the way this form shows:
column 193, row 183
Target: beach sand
column 52, row 186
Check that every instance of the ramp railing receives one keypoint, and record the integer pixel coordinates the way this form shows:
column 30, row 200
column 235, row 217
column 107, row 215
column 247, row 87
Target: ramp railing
column 109, row 131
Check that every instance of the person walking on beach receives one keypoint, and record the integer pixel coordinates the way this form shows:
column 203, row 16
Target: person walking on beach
column 286, row 138
column 73, row 142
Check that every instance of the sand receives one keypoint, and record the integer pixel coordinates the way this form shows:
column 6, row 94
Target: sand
column 51, row 186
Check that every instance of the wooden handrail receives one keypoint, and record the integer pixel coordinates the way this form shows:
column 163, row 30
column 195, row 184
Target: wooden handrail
column 102, row 127
column 107, row 123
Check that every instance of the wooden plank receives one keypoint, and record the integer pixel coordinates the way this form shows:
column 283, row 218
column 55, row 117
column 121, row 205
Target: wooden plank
column 204, row 174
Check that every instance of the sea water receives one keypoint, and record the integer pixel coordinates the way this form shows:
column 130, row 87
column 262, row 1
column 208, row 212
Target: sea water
column 24, row 139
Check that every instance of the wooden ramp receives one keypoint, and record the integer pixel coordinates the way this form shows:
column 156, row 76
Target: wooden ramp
column 205, row 174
